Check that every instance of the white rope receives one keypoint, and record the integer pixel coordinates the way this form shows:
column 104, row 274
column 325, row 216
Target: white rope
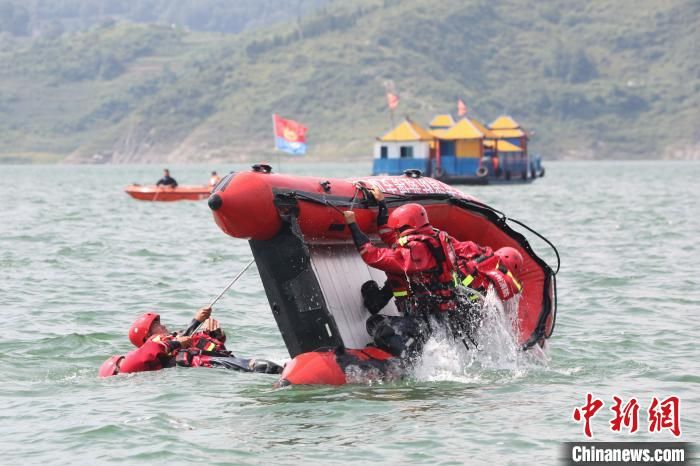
column 235, row 279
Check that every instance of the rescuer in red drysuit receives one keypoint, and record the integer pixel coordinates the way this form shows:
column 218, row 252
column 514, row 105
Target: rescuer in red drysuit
column 478, row 267
column 157, row 349
column 397, row 285
column 500, row 269
column 423, row 268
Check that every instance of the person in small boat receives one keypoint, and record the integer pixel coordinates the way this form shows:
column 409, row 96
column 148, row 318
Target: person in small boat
column 214, row 180
column 158, row 349
column 167, row 180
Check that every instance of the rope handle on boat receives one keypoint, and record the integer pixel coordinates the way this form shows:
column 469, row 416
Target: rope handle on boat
column 542, row 237
column 361, row 187
column 326, row 202
column 354, row 197
column 504, row 219
column 554, row 308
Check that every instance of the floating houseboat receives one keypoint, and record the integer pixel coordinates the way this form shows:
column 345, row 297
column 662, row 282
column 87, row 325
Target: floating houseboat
column 459, row 152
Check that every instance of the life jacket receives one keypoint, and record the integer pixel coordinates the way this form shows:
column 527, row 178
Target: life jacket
column 434, row 287
column 189, row 358
column 485, row 270
column 153, row 355
column 397, row 282
column 203, row 347
column 399, row 286
column 207, row 343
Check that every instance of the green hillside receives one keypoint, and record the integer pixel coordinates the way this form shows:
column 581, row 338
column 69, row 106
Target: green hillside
column 609, row 79
column 55, row 17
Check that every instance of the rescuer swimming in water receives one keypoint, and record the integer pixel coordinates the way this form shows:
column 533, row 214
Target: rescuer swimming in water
column 158, row 349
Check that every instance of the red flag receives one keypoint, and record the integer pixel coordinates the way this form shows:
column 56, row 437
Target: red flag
column 461, row 108
column 392, row 100
column 290, row 135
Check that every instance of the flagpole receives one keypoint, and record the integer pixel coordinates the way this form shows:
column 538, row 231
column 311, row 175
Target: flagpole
column 274, row 132
column 393, row 126
column 274, row 138
column 392, row 101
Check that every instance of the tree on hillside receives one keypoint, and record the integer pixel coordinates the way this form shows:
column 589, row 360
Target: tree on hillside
column 21, row 17
column 571, row 64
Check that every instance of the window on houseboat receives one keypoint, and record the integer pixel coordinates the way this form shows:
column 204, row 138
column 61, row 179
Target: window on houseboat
column 383, row 152
column 406, row 152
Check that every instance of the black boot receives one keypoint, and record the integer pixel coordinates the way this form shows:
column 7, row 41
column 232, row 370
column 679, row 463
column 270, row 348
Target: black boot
column 265, row 367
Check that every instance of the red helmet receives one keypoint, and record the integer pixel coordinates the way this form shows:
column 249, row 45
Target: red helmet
column 138, row 333
column 408, row 215
column 511, row 258
column 110, row 367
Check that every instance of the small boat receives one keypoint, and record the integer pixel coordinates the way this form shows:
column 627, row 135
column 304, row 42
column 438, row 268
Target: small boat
column 312, row 272
column 167, row 194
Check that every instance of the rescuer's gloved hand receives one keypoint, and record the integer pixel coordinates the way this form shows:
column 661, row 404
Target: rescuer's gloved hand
column 373, row 297
column 377, row 193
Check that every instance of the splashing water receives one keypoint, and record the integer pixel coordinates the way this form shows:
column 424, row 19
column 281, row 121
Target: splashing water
column 498, row 357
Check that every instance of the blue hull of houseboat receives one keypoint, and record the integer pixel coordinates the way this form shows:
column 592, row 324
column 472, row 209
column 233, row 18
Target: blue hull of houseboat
column 458, row 170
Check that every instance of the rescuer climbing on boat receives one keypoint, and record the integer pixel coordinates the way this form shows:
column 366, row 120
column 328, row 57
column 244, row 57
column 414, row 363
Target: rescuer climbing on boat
column 158, row 349
column 426, row 270
column 426, row 258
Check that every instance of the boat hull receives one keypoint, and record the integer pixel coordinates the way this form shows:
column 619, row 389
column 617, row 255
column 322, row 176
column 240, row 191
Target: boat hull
column 339, row 366
column 166, row 194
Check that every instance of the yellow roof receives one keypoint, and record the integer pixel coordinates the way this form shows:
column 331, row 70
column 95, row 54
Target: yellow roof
column 464, row 129
column 480, row 126
column 407, row 131
column 509, row 133
column 438, row 133
column 503, row 146
column 442, row 121
column 504, row 122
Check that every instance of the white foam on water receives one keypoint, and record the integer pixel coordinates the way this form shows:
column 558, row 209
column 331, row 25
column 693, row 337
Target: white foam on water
column 364, row 376
column 497, row 359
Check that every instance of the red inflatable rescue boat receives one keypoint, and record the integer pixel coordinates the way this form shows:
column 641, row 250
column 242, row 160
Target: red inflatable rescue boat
column 312, row 272
column 339, row 366
column 168, row 194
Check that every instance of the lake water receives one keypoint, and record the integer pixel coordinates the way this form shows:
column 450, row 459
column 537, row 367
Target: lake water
column 79, row 260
